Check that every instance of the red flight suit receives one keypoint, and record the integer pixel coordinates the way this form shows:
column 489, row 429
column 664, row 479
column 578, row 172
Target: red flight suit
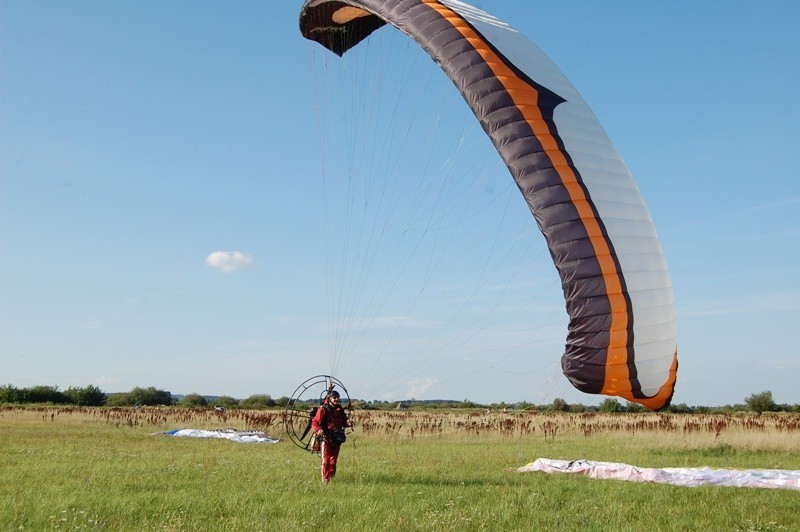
column 329, row 419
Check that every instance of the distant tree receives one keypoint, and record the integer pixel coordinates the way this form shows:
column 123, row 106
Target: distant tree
column 193, row 400
column 225, row 401
column 633, row 407
column 610, row 405
column 149, row 397
column 43, row 394
column 255, row 402
column 88, row 396
column 9, row 394
column 760, row 402
column 466, row 403
column 282, row 401
column 559, row 405
column 681, row 408
column 119, row 399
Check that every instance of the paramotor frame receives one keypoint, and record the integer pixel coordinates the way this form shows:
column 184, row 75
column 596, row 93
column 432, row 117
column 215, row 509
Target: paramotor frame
column 303, row 404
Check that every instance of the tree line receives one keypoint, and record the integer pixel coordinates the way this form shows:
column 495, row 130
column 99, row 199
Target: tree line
column 93, row 396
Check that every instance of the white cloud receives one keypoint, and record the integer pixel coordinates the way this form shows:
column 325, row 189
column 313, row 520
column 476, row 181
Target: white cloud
column 104, row 380
column 229, row 261
column 420, row 387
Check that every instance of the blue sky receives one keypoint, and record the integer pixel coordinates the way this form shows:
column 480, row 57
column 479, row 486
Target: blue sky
column 143, row 143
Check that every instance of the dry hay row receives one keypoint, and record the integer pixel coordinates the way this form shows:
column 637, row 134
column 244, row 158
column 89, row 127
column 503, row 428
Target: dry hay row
column 414, row 424
column 549, row 425
column 157, row 416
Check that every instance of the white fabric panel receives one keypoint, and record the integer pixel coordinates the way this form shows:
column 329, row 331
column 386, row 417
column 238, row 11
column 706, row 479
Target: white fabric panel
column 680, row 476
column 613, row 192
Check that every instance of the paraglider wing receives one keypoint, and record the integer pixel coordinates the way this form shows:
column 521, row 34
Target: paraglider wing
column 621, row 338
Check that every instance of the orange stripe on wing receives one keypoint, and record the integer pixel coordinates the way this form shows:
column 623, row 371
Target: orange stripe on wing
column 525, row 98
column 657, row 401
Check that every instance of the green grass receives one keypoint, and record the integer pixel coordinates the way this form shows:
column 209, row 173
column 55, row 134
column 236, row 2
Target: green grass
column 81, row 472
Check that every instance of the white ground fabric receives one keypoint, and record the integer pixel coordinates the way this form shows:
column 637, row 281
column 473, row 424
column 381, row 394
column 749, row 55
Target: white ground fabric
column 228, row 434
column 680, row 476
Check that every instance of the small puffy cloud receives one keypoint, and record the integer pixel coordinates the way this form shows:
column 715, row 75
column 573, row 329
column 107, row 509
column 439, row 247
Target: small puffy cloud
column 229, row 261
column 420, row 387
column 104, row 381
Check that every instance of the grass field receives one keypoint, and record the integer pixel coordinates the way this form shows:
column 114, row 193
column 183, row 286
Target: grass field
column 108, row 469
